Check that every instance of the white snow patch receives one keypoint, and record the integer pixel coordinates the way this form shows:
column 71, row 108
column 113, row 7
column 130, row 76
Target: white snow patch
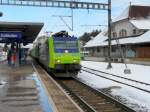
column 123, row 15
column 131, row 95
column 138, row 72
column 130, row 40
column 134, row 96
column 95, row 81
column 98, row 40
column 141, row 24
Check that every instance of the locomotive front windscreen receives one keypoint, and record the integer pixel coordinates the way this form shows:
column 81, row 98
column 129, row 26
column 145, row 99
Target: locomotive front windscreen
column 66, row 44
column 61, row 44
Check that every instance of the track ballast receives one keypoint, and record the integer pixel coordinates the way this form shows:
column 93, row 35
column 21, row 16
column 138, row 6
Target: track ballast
column 90, row 99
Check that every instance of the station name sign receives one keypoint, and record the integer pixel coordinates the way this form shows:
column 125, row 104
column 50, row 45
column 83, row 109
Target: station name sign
column 10, row 34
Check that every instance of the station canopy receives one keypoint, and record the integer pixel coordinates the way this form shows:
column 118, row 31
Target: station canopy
column 23, row 32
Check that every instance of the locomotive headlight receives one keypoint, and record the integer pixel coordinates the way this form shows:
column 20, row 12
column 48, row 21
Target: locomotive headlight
column 66, row 51
column 57, row 61
column 74, row 61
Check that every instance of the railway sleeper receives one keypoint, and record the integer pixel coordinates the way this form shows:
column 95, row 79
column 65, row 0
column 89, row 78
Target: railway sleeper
column 89, row 98
column 79, row 91
column 96, row 101
column 104, row 107
column 93, row 100
column 89, row 93
column 114, row 110
column 85, row 92
column 105, row 104
column 99, row 109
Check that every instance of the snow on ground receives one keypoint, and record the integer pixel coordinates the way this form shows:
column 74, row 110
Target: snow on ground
column 137, row 99
column 138, row 72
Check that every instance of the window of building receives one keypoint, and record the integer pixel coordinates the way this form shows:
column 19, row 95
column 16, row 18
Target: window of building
column 98, row 49
column 113, row 49
column 93, row 50
column 114, row 34
column 134, row 31
column 123, row 33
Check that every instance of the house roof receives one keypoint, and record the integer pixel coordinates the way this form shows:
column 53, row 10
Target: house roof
column 98, row 40
column 134, row 40
column 131, row 12
column 141, row 23
column 134, row 11
column 145, row 38
column 123, row 15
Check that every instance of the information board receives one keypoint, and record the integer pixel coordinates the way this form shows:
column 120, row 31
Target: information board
column 10, row 34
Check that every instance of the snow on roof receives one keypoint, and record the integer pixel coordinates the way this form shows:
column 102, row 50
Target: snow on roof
column 96, row 41
column 140, row 3
column 140, row 39
column 126, row 11
column 123, row 15
column 141, row 24
column 101, row 40
column 104, row 31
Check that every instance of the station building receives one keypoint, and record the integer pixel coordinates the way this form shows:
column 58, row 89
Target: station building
column 18, row 34
column 130, row 37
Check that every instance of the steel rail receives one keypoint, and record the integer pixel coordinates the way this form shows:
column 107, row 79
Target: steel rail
column 97, row 92
column 86, row 106
column 117, row 76
column 107, row 97
column 79, row 100
column 117, row 81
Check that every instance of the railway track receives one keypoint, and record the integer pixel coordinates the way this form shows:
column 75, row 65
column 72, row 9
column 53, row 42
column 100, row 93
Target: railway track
column 91, row 100
column 92, row 71
column 110, row 74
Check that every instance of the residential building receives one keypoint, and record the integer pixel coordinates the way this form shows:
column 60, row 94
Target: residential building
column 130, row 36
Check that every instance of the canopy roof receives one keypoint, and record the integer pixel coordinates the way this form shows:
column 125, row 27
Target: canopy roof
column 29, row 30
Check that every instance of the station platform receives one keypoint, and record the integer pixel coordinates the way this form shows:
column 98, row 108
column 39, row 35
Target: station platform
column 19, row 91
column 60, row 100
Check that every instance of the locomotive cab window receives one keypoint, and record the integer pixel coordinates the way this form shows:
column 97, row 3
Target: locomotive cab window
column 60, row 45
column 66, row 44
column 71, row 44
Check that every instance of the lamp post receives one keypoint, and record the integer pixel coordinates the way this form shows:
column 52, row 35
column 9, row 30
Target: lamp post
column 1, row 14
column 109, row 35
